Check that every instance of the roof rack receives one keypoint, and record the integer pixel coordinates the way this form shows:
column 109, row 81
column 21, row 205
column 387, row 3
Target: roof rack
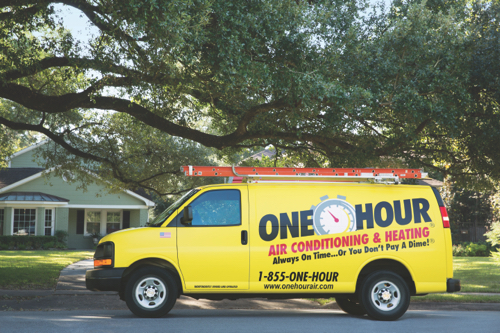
column 263, row 174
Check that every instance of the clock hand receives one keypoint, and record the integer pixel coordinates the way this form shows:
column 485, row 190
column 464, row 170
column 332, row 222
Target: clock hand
column 336, row 219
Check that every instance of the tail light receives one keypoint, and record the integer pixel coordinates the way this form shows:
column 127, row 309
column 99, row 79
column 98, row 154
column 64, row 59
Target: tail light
column 442, row 208
column 444, row 216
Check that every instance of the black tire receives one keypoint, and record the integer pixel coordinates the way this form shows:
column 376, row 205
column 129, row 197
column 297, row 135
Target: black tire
column 151, row 292
column 384, row 295
column 350, row 305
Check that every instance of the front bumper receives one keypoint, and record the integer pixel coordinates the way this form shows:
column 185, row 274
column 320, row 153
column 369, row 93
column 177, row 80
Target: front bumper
column 104, row 279
column 452, row 285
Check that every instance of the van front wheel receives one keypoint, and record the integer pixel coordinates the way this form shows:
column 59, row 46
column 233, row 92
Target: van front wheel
column 151, row 292
column 385, row 295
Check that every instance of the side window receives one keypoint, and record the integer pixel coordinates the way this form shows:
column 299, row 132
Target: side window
column 219, row 207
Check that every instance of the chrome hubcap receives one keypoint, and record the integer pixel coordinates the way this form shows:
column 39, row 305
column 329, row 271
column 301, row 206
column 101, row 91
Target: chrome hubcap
column 150, row 293
column 385, row 296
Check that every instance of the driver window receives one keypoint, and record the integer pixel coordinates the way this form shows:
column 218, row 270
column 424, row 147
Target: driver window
column 217, row 208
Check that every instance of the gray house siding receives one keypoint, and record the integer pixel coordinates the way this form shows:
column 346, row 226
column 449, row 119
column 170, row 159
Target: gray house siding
column 62, row 217
column 138, row 218
column 95, row 195
column 24, row 160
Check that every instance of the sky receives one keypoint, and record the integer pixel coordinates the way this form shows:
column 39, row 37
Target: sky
column 75, row 21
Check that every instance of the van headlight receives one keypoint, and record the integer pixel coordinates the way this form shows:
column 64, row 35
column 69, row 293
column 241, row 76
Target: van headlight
column 104, row 255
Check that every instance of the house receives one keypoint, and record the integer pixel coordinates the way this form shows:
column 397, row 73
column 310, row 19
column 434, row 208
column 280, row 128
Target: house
column 30, row 205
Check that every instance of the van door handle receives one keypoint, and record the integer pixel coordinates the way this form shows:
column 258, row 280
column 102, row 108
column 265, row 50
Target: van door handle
column 244, row 237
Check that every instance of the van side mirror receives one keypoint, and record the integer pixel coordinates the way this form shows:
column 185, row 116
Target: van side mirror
column 188, row 215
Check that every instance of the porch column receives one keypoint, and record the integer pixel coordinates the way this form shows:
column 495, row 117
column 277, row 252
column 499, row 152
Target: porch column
column 7, row 221
column 40, row 221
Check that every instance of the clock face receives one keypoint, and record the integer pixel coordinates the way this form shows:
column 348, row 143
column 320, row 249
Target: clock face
column 334, row 216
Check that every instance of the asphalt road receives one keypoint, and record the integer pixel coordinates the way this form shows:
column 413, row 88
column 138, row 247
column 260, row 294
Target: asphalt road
column 221, row 321
column 72, row 308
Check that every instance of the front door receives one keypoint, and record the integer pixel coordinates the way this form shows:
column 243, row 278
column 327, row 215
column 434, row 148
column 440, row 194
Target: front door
column 213, row 252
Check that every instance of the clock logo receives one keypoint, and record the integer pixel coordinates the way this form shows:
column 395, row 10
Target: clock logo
column 333, row 216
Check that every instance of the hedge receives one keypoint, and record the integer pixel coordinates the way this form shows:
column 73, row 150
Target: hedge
column 29, row 242
column 471, row 249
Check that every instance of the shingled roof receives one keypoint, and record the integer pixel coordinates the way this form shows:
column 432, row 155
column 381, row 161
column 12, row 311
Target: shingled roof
column 13, row 175
column 430, row 182
column 264, row 153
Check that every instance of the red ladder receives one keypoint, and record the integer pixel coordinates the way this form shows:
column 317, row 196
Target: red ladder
column 328, row 174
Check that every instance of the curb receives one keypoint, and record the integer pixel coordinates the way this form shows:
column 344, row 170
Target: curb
column 29, row 293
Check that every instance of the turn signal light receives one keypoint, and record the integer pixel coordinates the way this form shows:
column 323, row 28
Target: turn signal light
column 102, row 262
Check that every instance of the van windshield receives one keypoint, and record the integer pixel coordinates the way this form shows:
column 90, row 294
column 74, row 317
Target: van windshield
column 158, row 221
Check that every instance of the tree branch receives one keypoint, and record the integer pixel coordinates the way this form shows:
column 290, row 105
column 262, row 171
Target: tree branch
column 19, row 3
column 29, row 11
column 90, row 11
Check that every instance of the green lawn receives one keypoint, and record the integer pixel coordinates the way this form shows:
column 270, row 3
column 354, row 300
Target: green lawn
column 477, row 274
column 35, row 269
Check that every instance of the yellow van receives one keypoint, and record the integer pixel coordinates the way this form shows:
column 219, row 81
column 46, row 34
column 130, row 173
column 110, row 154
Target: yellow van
column 369, row 245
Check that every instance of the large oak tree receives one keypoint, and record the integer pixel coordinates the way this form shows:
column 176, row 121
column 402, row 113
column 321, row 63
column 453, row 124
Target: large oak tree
column 339, row 83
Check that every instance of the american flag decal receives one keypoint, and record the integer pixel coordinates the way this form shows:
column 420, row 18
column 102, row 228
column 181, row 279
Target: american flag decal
column 165, row 235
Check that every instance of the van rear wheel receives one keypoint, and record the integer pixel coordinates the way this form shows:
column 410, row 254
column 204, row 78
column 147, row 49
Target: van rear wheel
column 151, row 292
column 385, row 295
column 350, row 305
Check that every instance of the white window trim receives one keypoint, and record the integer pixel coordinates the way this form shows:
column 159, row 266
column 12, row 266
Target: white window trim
column 52, row 223
column 104, row 220
column 12, row 219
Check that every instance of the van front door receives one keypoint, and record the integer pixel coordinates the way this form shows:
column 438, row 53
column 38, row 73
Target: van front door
column 213, row 250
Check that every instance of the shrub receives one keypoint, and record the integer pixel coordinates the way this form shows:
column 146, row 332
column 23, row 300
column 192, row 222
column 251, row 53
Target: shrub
column 37, row 245
column 61, row 236
column 48, row 245
column 470, row 249
column 494, row 239
column 60, row 246
column 478, row 250
column 458, row 250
